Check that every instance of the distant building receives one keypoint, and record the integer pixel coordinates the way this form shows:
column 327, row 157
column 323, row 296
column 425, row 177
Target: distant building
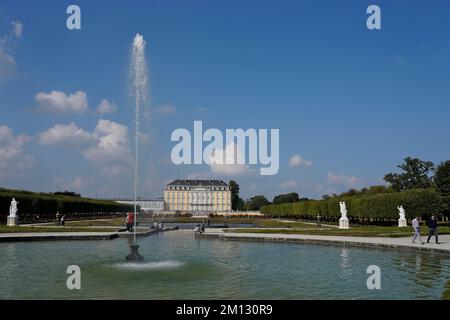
column 146, row 205
column 198, row 196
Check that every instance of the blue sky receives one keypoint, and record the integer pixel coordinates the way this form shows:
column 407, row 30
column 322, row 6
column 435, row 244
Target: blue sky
column 350, row 103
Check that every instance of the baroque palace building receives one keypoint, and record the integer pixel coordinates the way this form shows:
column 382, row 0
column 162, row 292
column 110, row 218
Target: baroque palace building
column 198, row 196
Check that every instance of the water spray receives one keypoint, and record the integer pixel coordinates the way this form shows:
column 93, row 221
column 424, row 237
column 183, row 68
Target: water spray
column 139, row 91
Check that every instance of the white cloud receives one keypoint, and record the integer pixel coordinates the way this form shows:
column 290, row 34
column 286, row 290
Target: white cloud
column 78, row 184
column 108, row 146
column 69, row 134
column 220, row 157
column 106, row 107
column 12, row 155
column 112, row 143
column 165, row 109
column 59, row 102
column 8, row 42
column 290, row 184
column 342, row 179
column 17, row 28
column 298, row 161
column 199, row 176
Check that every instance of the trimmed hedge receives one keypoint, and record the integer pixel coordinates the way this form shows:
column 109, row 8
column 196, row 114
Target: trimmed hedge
column 383, row 205
column 46, row 204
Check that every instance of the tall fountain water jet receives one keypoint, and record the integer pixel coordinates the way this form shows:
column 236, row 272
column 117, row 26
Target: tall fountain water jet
column 139, row 91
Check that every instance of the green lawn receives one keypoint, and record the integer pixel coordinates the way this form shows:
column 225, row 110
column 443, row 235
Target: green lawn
column 6, row 229
column 360, row 231
column 269, row 223
column 263, row 226
column 114, row 222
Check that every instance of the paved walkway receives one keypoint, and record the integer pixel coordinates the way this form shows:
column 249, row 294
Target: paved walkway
column 311, row 223
column 53, row 236
column 380, row 242
column 49, row 236
column 52, row 223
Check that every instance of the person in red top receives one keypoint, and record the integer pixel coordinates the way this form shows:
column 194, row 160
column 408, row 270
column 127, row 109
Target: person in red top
column 131, row 218
column 129, row 221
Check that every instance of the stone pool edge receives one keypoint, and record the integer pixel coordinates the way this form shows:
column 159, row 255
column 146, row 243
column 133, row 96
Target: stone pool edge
column 61, row 236
column 341, row 242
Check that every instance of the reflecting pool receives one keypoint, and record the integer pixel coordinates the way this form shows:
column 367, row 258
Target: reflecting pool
column 179, row 266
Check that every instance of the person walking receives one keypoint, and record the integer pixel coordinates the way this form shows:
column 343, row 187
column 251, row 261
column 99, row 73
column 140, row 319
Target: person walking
column 416, row 227
column 432, row 229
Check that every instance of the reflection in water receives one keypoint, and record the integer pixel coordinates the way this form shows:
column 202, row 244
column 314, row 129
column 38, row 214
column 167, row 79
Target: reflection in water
column 344, row 258
column 10, row 255
column 345, row 263
column 423, row 270
column 179, row 266
column 427, row 270
column 418, row 263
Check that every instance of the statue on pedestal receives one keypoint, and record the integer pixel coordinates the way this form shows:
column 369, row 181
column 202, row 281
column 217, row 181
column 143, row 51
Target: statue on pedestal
column 343, row 221
column 13, row 208
column 402, row 220
column 13, row 218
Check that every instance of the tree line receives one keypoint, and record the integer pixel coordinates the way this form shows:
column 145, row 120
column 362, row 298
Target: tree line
column 45, row 205
column 414, row 174
column 256, row 202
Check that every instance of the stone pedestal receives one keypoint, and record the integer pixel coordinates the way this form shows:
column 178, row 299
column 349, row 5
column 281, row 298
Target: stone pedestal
column 134, row 256
column 13, row 221
column 343, row 223
column 402, row 223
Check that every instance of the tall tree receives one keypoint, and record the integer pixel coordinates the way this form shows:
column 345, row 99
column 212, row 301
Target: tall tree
column 349, row 193
column 286, row 198
column 236, row 202
column 67, row 193
column 377, row 189
column 442, row 179
column 256, row 202
column 416, row 174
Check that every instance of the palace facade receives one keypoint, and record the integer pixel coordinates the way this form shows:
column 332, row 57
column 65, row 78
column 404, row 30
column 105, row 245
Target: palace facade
column 198, row 196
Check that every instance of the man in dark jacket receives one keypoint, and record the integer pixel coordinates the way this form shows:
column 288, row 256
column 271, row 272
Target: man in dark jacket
column 432, row 226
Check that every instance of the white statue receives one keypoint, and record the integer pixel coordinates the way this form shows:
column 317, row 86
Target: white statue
column 13, row 208
column 343, row 209
column 343, row 221
column 401, row 212
column 402, row 220
column 13, row 218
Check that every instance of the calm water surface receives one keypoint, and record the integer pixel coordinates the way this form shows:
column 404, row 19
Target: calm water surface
column 178, row 266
